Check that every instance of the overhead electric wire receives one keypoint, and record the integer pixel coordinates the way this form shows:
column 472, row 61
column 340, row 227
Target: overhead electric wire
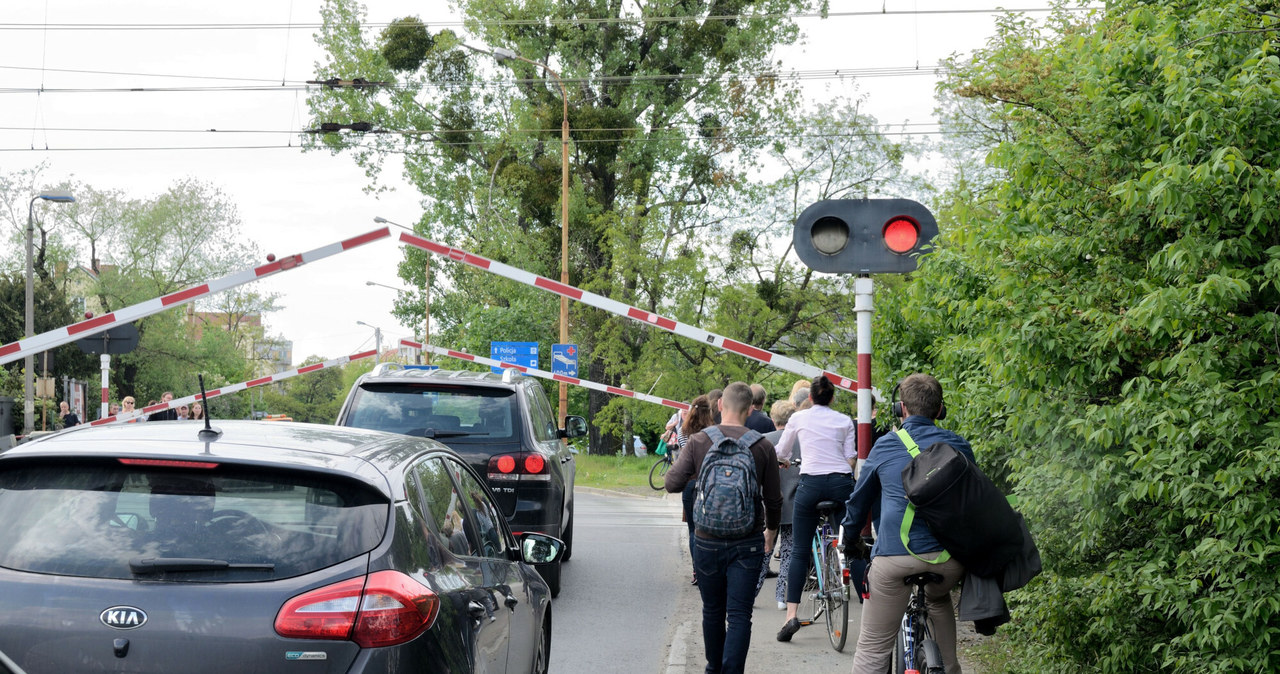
column 507, row 83
column 547, row 21
column 414, row 132
column 660, row 139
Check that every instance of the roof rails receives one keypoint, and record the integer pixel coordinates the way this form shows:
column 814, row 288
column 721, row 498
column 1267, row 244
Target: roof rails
column 383, row 368
column 510, row 374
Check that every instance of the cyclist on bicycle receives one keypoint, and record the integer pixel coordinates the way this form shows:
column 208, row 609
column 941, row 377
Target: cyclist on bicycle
column 880, row 482
column 828, row 454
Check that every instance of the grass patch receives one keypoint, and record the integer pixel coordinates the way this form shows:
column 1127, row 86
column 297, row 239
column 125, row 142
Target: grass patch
column 614, row 472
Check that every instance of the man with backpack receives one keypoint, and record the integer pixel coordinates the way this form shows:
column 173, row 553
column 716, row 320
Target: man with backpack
column 735, row 516
column 903, row 551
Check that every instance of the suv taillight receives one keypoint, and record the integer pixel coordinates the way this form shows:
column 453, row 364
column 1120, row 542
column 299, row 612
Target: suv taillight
column 526, row 465
column 384, row 608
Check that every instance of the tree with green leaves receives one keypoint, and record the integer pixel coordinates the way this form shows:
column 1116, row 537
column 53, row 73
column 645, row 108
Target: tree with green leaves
column 1106, row 313
column 674, row 110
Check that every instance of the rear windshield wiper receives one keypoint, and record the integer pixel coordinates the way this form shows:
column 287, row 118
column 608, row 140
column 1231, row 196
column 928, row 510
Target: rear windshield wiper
column 170, row 564
column 433, row 433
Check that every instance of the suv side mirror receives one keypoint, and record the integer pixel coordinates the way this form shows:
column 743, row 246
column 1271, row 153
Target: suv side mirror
column 538, row 548
column 574, row 427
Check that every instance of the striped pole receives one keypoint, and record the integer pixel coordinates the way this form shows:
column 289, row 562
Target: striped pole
column 67, row 334
column 862, row 288
column 618, row 308
column 233, row 388
column 543, row 374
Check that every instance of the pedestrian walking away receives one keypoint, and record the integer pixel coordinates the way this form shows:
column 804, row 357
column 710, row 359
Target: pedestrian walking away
column 788, row 480
column 736, row 519
column 828, row 453
column 698, row 418
column 892, row 558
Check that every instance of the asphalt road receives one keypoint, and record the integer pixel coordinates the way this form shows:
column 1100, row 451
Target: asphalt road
column 627, row 604
column 622, row 590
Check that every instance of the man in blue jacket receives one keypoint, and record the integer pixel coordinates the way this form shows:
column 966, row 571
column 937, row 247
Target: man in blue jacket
column 880, row 482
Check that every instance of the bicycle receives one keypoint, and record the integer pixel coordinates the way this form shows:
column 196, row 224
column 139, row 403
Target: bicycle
column 915, row 645
column 658, row 473
column 826, row 590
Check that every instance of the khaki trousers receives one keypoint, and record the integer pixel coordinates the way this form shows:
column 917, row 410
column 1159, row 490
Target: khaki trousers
column 882, row 612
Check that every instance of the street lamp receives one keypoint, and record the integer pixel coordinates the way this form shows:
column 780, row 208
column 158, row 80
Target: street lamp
column 377, row 340
column 426, row 292
column 502, row 56
column 28, row 385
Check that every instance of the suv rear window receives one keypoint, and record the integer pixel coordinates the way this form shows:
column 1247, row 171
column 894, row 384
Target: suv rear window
column 435, row 411
column 106, row 519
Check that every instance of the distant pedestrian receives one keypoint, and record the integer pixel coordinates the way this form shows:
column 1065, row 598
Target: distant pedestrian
column 183, row 412
column 698, row 418
column 127, row 410
column 68, row 417
column 713, row 399
column 758, row 421
column 800, row 394
column 197, row 411
column 727, row 567
column 788, row 480
column 164, row 415
column 113, row 409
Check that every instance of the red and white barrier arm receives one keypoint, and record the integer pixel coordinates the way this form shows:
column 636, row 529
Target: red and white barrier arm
column 234, row 388
column 64, row 335
column 613, row 306
column 543, row 374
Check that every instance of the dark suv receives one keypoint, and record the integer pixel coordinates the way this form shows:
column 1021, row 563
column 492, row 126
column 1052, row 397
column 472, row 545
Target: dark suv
column 501, row 424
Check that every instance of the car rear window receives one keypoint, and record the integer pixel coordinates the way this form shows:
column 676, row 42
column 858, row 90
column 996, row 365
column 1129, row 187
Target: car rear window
column 106, row 519
column 486, row 414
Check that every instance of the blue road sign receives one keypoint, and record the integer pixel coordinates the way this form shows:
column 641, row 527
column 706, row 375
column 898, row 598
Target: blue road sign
column 564, row 359
column 520, row 353
column 422, row 367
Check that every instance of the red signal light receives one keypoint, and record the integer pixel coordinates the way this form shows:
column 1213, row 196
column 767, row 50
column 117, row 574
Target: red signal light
column 901, row 234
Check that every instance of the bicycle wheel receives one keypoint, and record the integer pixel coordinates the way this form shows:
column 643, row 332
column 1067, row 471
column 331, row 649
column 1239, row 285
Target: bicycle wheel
column 658, row 474
column 836, row 598
column 932, row 657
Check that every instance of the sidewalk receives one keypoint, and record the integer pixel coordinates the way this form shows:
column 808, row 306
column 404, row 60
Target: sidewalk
column 809, row 650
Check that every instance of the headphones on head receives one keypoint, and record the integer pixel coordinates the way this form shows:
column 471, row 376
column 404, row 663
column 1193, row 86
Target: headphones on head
column 896, row 406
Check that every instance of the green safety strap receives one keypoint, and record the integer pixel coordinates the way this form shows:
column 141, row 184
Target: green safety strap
column 910, row 516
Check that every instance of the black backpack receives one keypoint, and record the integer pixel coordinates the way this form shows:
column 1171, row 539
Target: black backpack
column 728, row 488
column 962, row 507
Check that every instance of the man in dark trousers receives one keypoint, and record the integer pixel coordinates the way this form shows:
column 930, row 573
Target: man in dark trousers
column 727, row 568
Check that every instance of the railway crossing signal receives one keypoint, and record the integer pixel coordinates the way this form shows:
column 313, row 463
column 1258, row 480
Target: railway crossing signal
column 863, row 236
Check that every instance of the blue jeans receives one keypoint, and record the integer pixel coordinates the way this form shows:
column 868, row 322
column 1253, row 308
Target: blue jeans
column 727, row 572
column 804, row 520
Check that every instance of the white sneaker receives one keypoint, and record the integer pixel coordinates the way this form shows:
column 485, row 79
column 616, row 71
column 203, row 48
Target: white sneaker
column 782, row 606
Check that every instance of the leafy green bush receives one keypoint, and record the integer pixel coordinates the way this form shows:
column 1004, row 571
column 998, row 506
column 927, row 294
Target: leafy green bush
column 1107, row 314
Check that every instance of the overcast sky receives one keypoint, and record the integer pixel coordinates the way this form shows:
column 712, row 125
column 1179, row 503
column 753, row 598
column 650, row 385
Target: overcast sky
column 291, row 202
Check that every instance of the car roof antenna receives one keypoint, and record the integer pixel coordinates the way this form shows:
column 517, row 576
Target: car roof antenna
column 208, row 433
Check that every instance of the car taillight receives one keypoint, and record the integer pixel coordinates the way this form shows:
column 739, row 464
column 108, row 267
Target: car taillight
column 525, row 465
column 383, row 609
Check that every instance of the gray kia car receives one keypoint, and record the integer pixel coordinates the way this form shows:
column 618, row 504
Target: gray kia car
column 261, row 547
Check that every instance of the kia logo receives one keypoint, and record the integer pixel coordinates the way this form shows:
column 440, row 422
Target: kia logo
column 123, row 617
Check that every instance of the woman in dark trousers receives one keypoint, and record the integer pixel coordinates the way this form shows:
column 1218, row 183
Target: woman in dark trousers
column 828, row 455
column 698, row 418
